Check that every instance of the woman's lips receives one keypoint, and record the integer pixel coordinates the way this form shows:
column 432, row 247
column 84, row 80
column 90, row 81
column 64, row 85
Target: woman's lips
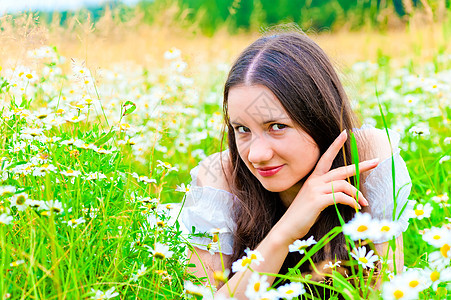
column 269, row 171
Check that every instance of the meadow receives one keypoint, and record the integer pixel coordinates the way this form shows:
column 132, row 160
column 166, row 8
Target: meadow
column 100, row 126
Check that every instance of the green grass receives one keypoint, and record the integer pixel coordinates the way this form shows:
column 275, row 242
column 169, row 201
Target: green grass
column 135, row 120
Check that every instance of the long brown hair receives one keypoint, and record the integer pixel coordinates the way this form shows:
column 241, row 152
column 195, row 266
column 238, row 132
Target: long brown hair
column 303, row 79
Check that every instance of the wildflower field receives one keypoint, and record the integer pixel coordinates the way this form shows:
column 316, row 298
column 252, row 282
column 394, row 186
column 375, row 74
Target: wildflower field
column 94, row 158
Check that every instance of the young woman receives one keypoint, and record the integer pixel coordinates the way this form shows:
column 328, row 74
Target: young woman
column 288, row 121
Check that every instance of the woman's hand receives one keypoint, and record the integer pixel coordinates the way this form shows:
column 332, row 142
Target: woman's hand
column 323, row 188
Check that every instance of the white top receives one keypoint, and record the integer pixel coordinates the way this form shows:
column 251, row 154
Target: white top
column 207, row 207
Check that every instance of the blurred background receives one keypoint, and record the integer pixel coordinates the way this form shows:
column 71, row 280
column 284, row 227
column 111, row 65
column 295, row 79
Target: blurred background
column 209, row 30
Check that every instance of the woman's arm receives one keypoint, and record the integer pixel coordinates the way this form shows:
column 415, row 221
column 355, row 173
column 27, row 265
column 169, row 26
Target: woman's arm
column 323, row 188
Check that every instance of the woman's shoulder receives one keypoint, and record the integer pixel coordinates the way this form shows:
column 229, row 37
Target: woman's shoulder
column 376, row 143
column 214, row 171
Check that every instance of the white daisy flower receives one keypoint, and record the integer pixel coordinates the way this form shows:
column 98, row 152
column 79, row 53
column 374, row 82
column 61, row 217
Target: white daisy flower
column 366, row 260
column 397, row 289
column 182, row 188
column 70, row 173
column 198, row 291
column 360, row 227
column 20, row 201
column 436, row 276
column 160, row 251
column 17, row 263
column 75, row 222
column 256, row 286
column 99, row 295
column 331, row 265
column 5, row 219
column 291, row 290
column 301, row 245
column 7, row 190
column 140, row 272
column 421, row 211
column 437, row 236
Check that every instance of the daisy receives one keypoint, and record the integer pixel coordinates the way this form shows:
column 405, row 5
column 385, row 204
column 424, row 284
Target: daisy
column 141, row 271
column 254, row 255
column 20, row 201
column 437, row 236
column 291, row 290
column 213, row 247
column 440, row 258
column 436, row 276
column 7, row 190
column 256, row 286
column 414, row 279
column 385, row 230
column 16, row 263
column 70, row 173
column 397, row 289
column 421, row 211
column 99, row 295
column 75, row 222
column 182, row 188
column 73, row 118
column 53, row 206
column 44, row 169
column 144, row 179
column 331, row 265
column 166, row 165
column 172, row 53
column 360, row 227
column 95, row 176
column 199, row 292
column 243, row 263
column 366, row 260
column 5, row 219
column 161, row 251
column 301, row 245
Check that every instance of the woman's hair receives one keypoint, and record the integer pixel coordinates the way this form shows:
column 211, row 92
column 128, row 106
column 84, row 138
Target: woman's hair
column 303, row 79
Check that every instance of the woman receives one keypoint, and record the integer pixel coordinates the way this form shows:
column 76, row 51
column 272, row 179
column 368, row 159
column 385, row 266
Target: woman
column 289, row 159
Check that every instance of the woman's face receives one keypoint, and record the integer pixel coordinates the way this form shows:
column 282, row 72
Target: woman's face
column 274, row 148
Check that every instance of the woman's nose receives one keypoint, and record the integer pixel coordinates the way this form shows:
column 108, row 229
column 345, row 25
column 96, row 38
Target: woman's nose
column 260, row 150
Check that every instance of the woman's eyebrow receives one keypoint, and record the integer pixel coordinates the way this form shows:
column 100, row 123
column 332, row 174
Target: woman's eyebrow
column 265, row 122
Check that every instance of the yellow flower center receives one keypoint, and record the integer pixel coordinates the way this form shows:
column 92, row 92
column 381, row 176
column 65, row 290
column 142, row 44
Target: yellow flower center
column 445, row 249
column 419, row 212
column 70, row 171
column 159, row 255
column 385, row 229
column 436, row 237
column 257, row 286
column 414, row 283
column 245, row 262
column 363, row 259
column 215, row 238
column 435, row 276
column 289, row 292
column 20, row 200
column 29, row 76
column 253, row 256
column 398, row 294
column 362, row 228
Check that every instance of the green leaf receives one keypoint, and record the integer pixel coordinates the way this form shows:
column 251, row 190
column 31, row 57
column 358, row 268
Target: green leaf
column 128, row 107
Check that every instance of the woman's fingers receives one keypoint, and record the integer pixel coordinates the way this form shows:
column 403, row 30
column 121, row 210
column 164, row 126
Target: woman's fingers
column 325, row 162
column 349, row 171
column 341, row 198
column 347, row 188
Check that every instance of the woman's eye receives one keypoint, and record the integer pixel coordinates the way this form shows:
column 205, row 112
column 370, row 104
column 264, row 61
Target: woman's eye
column 278, row 127
column 242, row 129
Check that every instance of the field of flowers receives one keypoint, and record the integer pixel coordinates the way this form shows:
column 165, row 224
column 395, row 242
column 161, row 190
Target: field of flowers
column 91, row 160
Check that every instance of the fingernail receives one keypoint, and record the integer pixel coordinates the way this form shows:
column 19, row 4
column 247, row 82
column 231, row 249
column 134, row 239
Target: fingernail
column 365, row 202
column 359, row 206
column 373, row 161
